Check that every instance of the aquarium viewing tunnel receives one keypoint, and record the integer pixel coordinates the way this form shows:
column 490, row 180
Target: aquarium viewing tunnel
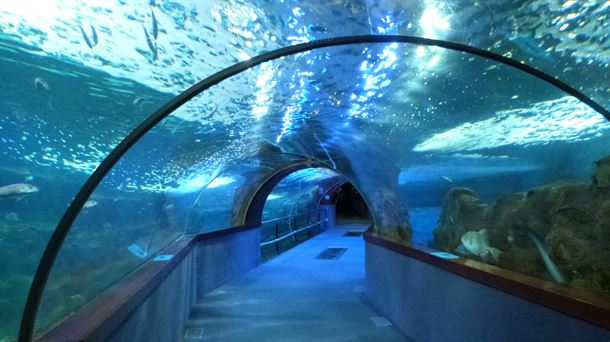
column 320, row 170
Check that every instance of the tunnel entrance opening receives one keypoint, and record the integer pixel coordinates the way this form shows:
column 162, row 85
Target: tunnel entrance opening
column 350, row 206
column 292, row 208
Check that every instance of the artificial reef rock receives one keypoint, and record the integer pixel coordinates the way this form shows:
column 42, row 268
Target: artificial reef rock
column 569, row 221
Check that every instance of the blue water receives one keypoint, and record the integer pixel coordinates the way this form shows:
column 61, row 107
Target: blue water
column 403, row 123
column 424, row 220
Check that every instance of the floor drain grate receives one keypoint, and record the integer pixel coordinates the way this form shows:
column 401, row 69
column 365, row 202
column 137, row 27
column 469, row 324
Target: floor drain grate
column 331, row 253
column 193, row 333
column 354, row 233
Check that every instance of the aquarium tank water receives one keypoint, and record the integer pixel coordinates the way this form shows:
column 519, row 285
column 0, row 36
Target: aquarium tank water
column 449, row 149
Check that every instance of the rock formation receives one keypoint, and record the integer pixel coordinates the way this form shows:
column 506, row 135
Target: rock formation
column 572, row 219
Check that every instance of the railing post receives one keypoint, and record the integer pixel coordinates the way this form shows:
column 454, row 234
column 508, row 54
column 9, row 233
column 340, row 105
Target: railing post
column 321, row 225
column 293, row 225
column 277, row 247
column 308, row 223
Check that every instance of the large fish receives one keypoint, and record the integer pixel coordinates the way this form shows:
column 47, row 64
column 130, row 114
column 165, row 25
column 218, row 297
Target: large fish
column 17, row 190
column 477, row 243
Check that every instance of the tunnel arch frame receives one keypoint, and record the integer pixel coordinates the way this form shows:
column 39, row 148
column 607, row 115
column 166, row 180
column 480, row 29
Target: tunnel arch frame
column 242, row 218
column 253, row 215
column 47, row 260
column 256, row 202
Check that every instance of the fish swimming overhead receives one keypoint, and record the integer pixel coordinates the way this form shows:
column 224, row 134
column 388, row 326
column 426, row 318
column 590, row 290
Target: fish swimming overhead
column 446, row 179
column 151, row 45
column 93, row 35
column 12, row 217
column 17, row 190
column 90, row 204
column 41, row 84
column 477, row 243
column 155, row 26
column 91, row 42
column 138, row 102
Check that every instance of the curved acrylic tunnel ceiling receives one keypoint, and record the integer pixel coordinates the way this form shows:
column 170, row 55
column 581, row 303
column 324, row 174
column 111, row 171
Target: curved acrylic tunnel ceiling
column 563, row 38
column 76, row 97
column 369, row 111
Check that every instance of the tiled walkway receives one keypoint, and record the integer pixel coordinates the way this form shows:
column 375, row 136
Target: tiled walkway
column 296, row 297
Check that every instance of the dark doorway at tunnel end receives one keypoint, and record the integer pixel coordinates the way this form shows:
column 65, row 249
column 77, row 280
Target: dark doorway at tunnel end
column 350, row 206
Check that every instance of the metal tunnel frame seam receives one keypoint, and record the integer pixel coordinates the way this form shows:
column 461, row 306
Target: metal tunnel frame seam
column 256, row 202
column 236, row 163
column 51, row 251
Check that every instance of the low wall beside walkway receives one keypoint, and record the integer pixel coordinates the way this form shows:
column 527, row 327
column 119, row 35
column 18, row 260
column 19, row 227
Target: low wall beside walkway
column 428, row 303
column 154, row 302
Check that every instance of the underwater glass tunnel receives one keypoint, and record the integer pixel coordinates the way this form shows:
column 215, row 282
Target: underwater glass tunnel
column 478, row 129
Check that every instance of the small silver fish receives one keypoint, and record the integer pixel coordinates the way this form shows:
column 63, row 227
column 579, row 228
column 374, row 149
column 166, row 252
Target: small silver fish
column 93, row 35
column 155, row 26
column 138, row 102
column 446, row 179
column 78, row 299
column 151, row 45
column 41, row 84
column 12, row 217
column 90, row 204
column 90, row 43
column 17, row 190
column 315, row 28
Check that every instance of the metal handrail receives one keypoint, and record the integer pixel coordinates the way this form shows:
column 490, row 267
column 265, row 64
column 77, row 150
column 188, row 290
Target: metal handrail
column 289, row 216
column 292, row 233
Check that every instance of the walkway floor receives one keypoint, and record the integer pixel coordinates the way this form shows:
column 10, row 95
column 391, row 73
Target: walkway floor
column 296, row 297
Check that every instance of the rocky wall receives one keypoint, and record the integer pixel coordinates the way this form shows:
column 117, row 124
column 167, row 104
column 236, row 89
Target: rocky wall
column 570, row 219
